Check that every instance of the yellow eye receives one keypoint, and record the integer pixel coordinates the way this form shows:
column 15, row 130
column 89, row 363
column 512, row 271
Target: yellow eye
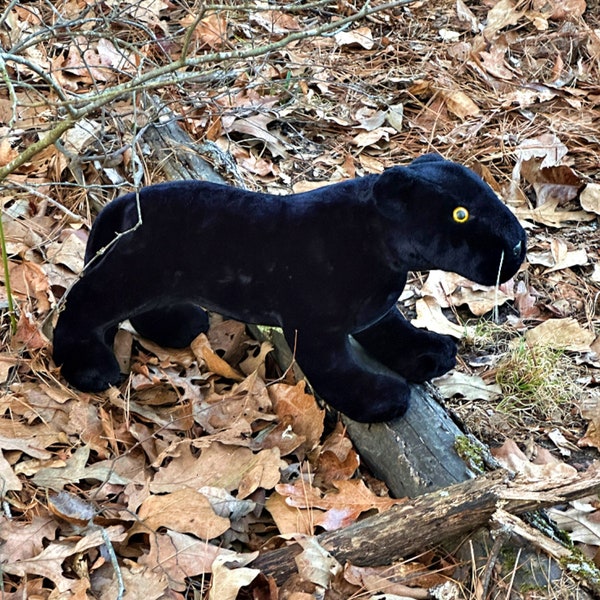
column 460, row 214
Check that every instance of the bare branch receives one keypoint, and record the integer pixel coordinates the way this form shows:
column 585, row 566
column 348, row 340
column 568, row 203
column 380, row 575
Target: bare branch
column 173, row 73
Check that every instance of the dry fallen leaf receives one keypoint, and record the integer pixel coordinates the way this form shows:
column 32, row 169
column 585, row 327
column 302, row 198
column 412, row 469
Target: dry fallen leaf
column 181, row 556
column 525, row 301
column 214, row 363
column 275, row 21
column 141, row 583
column 590, row 410
column 511, row 457
column 290, row 519
column 590, row 198
column 371, row 138
column 99, row 62
column 361, row 36
column 28, row 335
column 211, row 31
column 9, row 479
column 315, row 564
column 550, row 214
column 184, row 510
column 219, row 465
column 228, row 578
column 558, row 256
column 29, row 439
column 495, row 63
column 70, row 253
column 471, row 387
column 503, row 14
column 562, row 334
column 558, row 182
column 20, row 236
column 29, row 280
column 77, row 139
column 72, row 509
column 7, row 152
column 49, row 562
column 563, row 445
column 369, row 119
column 76, row 468
column 548, row 147
column 337, row 459
column 450, row 289
column 307, row 417
column 559, row 10
column 146, row 11
column 581, row 520
column 464, row 13
column 234, row 410
column 23, row 540
column 226, row 505
column 341, row 508
column 256, row 128
column 395, row 117
column 388, row 580
column 430, row 316
column 460, row 104
column 449, row 35
column 256, row 363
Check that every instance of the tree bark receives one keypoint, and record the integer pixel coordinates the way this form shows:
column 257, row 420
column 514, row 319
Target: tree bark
column 415, row 454
column 431, row 519
column 177, row 155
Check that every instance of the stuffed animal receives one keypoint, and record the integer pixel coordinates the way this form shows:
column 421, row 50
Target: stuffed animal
column 327, row 266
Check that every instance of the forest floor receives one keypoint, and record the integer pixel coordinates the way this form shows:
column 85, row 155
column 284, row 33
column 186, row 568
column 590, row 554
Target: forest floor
column 208, row 455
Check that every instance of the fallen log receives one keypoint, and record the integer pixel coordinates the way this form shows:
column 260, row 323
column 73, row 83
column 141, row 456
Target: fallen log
column 431, row 519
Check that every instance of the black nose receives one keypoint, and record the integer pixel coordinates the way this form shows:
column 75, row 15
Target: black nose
column 517, row 249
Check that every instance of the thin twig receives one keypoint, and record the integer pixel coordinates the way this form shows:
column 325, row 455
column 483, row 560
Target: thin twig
column 502, row 535
column 115, row 564
column 75, row 217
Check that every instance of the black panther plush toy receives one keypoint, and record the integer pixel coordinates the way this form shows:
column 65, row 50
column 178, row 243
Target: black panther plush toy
column 327, row 266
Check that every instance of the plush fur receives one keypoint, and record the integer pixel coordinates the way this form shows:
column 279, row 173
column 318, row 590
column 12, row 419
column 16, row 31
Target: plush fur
column 327, row 266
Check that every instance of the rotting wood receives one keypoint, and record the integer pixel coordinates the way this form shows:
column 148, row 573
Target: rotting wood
column 415, row 454
column 431, row 519
column 176, row 155
column 574, row 563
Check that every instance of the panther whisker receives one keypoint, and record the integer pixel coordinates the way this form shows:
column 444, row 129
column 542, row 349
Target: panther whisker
column 495, row 312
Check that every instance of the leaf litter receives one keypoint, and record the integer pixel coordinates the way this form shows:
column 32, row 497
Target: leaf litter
column 207, row 454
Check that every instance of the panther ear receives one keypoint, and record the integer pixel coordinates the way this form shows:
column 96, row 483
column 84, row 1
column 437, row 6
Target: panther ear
column 393, row 190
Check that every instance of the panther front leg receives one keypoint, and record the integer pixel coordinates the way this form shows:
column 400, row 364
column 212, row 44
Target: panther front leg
column 348, row 380
column 416, row 354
